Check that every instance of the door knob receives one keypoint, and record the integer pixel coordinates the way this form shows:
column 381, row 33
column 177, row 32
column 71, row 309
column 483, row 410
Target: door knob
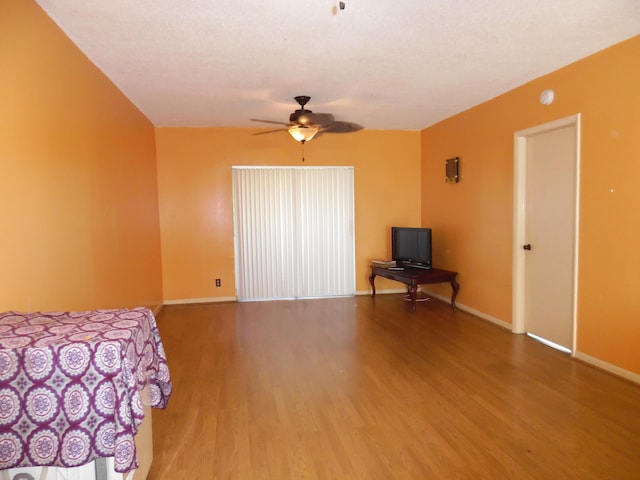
column 527, row 246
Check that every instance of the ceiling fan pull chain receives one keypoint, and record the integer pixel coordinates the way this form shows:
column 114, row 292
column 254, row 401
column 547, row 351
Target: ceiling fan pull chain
column 302, row 143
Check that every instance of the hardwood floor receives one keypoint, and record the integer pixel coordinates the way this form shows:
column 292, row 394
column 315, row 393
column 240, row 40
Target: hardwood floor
column 361, row 388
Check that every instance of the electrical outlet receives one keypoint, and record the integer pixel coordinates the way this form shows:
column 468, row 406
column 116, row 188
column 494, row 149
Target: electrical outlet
column 218, row 282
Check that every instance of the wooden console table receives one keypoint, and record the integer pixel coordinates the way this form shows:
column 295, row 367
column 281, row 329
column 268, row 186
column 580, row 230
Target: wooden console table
column 412, row 277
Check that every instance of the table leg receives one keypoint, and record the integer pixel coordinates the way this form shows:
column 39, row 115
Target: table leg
column 373, row 285
column 454, row 292
column 413, row 292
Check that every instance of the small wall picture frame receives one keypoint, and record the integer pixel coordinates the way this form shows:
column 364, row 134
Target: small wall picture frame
column 451, row 170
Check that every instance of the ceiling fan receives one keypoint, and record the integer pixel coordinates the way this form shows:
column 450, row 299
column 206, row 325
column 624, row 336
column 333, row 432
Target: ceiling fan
column 305, row 125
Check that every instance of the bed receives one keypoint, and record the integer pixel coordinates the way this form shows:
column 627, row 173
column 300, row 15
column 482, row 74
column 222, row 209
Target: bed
column 72, row 386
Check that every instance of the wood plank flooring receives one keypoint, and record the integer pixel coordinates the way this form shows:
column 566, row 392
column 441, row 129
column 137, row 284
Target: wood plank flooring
column 361, row 388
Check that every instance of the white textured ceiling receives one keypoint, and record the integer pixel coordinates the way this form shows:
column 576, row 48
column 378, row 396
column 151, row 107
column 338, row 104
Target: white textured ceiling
column 383, row 64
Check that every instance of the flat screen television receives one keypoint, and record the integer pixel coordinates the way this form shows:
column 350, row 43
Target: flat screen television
column 411, row 246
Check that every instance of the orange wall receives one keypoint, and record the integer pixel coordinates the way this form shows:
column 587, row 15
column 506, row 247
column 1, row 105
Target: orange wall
column 81, row 222
column 78, row 194
column 474, row 219
column 194, row 180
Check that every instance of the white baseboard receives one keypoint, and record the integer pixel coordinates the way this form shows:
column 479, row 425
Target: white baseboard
column 472, row 311
column 608, row 367
column 615, row 370
column 477, row 313
column 186, row 301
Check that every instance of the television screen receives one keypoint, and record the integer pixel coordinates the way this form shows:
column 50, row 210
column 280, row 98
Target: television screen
column 411, row 246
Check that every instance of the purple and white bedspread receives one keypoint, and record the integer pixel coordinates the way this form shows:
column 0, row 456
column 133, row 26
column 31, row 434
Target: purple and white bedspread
column 71, row 383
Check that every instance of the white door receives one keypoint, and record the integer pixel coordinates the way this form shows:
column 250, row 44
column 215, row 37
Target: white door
column 547, row 240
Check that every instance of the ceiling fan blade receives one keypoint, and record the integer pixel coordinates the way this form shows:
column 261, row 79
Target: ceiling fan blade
column 305, row 119
column 269, row 121
column 342, row 127
column 318, row 119
column 272, row 131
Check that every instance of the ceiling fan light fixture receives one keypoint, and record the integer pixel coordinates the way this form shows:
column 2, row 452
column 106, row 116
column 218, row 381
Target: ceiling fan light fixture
column 302, row 133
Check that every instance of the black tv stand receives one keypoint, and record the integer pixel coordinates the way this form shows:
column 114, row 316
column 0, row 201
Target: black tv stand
column 412, row 277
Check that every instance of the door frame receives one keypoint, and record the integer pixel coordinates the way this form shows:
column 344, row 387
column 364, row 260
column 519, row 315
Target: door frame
column 521, row 138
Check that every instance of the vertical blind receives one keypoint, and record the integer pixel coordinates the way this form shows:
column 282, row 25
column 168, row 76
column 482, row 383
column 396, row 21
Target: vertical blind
column 294, row 235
